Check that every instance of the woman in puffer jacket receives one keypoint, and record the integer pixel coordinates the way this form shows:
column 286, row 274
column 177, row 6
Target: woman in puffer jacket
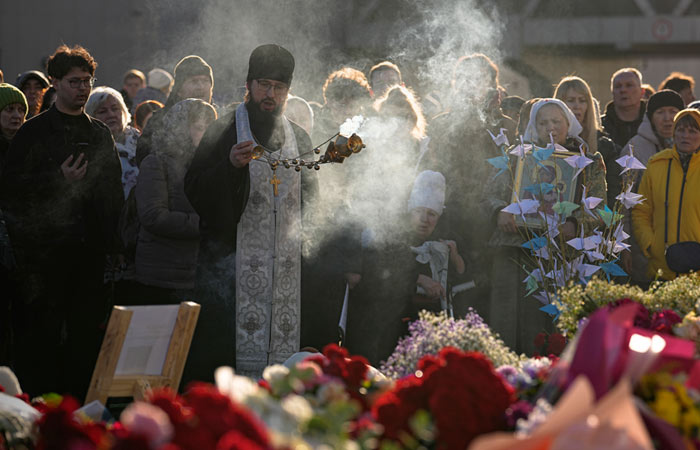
column 168, row 242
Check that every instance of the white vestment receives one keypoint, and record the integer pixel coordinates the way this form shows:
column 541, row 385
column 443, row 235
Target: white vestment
column 268, row 260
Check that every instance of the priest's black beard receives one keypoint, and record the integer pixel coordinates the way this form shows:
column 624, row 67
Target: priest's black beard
column 265, row 125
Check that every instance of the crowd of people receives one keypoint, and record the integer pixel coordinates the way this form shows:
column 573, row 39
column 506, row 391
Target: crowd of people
column 153, row 194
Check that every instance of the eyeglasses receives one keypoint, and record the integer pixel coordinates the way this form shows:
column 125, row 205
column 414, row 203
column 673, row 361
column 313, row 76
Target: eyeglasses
column 277, row 88
column 75, row 83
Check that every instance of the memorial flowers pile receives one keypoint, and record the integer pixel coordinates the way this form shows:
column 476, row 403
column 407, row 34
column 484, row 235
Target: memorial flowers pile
column 664, row 304
column 628, row 379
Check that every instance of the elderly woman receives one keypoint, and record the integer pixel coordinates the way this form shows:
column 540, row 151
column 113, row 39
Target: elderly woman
column 13, row 113
column 576, row 93
column 670, row 185
column 516, row 318
column 107, row 105
column 385, row 298
column 654, row 135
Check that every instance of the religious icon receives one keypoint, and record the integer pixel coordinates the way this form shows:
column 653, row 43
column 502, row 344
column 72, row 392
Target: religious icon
column 548, row 181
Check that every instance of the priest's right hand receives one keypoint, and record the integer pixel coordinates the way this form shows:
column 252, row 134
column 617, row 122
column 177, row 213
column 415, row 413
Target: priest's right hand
column 241, row 154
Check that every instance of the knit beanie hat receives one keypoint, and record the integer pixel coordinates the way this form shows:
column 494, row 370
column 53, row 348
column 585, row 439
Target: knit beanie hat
column 694, row 113
column 32, row 75
column 428, row 192
column 159, row 78
column 9, row 95
column 272, row 62
column 664, row 97
column 191, row 66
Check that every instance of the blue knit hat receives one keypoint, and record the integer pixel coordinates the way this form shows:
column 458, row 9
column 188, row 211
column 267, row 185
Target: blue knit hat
column 9, row 95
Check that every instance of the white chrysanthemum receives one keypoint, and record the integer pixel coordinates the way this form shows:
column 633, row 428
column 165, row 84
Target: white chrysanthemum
column 275, row 373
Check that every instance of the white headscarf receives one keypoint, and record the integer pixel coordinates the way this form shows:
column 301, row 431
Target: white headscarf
column 575, row 128
column 428, row 191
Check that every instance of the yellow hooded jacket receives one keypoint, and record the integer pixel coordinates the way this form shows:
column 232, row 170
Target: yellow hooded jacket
column 648, row 217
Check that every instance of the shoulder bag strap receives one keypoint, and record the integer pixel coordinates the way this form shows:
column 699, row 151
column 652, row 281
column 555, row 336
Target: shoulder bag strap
column 668, row 180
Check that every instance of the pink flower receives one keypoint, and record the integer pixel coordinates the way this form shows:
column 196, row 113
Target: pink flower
column 148, row 420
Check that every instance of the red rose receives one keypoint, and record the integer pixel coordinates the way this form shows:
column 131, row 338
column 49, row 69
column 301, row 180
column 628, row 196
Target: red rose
column 235, row 440
column 540, row 339
column 462, row 392
column 58, row 430
column 556, row 345
column 664, row 320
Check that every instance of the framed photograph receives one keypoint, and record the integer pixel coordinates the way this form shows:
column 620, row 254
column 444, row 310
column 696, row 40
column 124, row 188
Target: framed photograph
column 549, row 181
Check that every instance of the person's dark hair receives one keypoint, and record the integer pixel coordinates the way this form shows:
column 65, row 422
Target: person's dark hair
column 677, row 81
column 201, row 110
column 143, row 110
column 346, row 82
column 512, row 102
column 48, row 100
column 384, row 65
column 65, row 58
column 686, row 121
column 478, row 61
column 525, row 114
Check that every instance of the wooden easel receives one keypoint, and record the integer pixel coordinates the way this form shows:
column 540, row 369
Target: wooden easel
column 107, row 383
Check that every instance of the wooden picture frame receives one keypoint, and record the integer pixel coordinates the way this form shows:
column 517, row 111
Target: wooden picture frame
column 144, row 347
column 553, row 170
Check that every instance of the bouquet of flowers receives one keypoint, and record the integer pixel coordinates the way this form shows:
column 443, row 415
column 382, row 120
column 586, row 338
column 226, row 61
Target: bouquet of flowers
column 449, row 400
column 435, row 331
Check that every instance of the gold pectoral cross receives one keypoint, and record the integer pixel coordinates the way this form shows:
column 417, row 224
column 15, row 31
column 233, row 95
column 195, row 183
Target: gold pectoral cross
column 275, row 182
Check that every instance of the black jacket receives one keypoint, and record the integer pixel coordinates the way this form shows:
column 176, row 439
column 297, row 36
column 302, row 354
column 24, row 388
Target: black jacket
column 41, row 207
column 617, row 129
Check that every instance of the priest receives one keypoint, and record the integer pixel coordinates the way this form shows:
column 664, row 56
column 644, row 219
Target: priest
column 249, row 281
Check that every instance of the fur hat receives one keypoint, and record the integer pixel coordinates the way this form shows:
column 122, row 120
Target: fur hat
column 428, row 192
column 9, row 95
column 664, row 97
column 272, row 62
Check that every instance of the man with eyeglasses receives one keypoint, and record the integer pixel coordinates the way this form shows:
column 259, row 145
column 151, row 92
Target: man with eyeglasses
column 250, row 218
column 62, row 194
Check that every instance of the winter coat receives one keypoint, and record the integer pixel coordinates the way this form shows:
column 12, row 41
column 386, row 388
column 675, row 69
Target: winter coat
column 619, row 130
column 645, row 144
column 648, row 221
column 45, row 210
column 168, row 242
column 610, row 152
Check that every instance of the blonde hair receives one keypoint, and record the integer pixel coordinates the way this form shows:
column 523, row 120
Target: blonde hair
column 591, row 120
